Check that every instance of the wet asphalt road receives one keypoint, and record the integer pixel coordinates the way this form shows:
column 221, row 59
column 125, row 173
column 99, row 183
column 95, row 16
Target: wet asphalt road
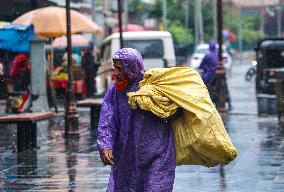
column 74, row 164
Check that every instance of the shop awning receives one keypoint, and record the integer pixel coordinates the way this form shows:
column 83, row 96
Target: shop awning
column 16, row 38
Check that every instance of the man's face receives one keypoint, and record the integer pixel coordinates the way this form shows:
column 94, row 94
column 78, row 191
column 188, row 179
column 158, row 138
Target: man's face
column 118, row 71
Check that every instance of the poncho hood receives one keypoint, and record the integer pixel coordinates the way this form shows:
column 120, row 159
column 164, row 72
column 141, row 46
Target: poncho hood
column 132, row 63
column 212, row 45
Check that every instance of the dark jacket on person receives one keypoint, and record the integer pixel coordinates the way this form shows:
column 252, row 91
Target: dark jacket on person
column 88, row 61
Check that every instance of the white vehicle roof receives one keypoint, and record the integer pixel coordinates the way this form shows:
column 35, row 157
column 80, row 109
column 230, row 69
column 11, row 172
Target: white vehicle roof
column 206, row 46
column 140, row 35
column 202, row 46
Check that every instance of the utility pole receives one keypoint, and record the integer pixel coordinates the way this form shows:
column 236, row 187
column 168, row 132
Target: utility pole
column 198, row 22
column 279, row 20
column 164, row 15
column 71, row 117
column 186, row 17
column 220, row 72
column 262, row 22
column 93, row 5
column 240, row 29
column 214, row 8
column 120, row 23
column 99, row 18
column 126, row 15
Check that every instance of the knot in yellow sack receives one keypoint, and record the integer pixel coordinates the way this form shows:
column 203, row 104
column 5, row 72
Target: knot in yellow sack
column 200, row 135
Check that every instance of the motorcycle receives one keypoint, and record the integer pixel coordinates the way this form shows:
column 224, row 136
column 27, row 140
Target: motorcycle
column 251, row 71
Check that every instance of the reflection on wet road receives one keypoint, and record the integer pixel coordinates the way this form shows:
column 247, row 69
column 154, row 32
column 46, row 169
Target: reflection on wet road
column 59, row 164
column 73, row 164
column 259, row 166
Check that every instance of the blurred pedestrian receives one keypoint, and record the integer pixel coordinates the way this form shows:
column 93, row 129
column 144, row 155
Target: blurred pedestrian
column 209, row 63
column 136, row 143
column 20, row 72
column 79, row 85
column 228, row 96
column 208, row 67
column 97, row 54
column 88, row 64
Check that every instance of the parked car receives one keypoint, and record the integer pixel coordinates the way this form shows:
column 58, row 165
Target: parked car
column 156, row 48
column 200, row 52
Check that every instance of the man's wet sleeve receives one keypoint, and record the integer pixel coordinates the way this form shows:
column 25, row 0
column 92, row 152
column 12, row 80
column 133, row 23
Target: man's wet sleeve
column 209, row 70
column 106, row 132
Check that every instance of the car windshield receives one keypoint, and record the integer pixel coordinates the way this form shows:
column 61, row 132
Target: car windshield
column 147, row 48
column 202, row 50
column 205, row 50
column 274, row 58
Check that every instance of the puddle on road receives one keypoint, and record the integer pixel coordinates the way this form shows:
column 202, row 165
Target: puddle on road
column 74, row 163
column 68, row 164
column 260, row 145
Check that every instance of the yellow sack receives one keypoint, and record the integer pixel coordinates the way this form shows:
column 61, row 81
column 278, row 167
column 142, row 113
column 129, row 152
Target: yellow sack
column 200, row 135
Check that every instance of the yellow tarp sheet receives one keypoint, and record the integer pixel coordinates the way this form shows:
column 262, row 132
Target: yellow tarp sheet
column 200, row 135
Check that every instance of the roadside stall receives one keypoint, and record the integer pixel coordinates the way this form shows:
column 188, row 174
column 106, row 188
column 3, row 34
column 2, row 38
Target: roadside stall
column 59, row 76
column 50, row 22
column 60, row 73
column 15, row 46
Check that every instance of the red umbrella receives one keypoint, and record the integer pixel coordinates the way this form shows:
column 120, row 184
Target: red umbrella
column 232, row 37
column 131, row 27
column 229, row 35
column 77, row 40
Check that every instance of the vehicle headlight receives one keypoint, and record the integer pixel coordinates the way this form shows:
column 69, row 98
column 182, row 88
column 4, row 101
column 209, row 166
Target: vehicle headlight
column 254, row 62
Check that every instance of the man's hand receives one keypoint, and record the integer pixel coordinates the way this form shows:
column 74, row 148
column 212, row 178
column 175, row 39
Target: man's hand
column 107, row 157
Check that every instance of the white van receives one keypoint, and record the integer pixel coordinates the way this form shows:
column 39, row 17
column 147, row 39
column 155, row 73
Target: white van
column 156, row 48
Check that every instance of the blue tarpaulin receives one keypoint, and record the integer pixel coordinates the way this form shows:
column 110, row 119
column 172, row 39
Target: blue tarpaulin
column 16, row 38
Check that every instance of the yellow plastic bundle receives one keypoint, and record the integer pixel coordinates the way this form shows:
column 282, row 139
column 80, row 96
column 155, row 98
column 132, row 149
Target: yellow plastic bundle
column 200, row 135
column 60, row 76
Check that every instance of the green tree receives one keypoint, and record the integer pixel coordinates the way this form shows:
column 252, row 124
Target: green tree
column 176, row 14
column 249, row 25
column 179, row 33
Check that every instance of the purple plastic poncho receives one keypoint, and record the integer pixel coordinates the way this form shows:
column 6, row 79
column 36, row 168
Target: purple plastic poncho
column 142, row 143
column 209, row 63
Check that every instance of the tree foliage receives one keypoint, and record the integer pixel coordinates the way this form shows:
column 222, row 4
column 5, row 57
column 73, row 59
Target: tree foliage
column 176, row 19
column 179, row 33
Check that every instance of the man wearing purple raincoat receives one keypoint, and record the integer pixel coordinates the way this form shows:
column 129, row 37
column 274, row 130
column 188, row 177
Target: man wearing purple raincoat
column 209, row 66
column 139, row 145
column 209, row 63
